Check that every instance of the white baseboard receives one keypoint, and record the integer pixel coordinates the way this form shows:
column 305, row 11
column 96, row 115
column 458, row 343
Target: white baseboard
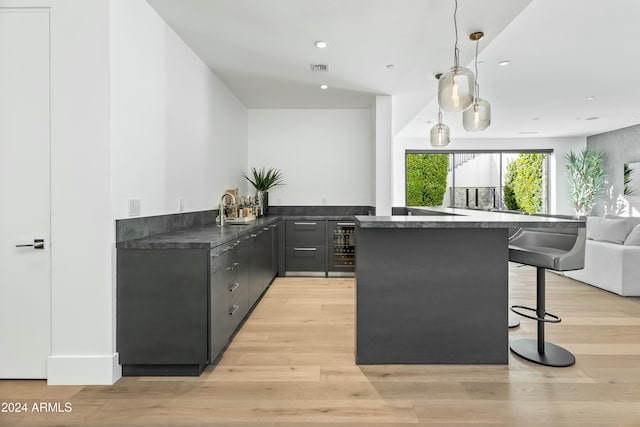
column 83, row 370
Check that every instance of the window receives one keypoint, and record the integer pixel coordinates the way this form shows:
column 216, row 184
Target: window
column 513, row 180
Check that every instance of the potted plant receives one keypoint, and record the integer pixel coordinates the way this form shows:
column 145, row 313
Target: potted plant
column 586, row 179
column 262, row 180
column 628, row 172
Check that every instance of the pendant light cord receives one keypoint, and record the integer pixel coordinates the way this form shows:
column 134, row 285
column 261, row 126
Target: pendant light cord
column 456, row 53
column 475, row 83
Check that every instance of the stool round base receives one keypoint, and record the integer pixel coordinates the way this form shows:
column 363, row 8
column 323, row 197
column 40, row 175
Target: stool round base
column 553, row 355
column 514, row 322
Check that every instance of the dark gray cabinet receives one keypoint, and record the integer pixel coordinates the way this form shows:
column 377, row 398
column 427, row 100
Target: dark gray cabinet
column 275, row 243
column 305, row 251
column 229, row 293
column 162, row 305
column 260, row 262
column 306, row 233
column 178, row 308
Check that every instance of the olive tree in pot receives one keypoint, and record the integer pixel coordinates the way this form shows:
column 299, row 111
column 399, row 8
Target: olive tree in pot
column 586, row 179
column 262, row 180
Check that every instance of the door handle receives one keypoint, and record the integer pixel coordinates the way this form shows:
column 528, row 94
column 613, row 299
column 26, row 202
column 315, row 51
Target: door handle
column 37, row 244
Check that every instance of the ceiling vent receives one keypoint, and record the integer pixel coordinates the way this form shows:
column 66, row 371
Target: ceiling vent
column 319, row 68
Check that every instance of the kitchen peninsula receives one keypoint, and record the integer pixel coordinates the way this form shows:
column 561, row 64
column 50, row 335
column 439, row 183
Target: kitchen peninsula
column 432, row 287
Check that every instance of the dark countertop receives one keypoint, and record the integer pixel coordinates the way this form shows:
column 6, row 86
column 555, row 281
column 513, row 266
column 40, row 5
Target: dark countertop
column 203, row 237
column 466, row 218
column 211, row 235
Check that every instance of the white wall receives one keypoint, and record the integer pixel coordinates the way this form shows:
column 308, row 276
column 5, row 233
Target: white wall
column 324, row 154
column 558, row 188
column 483, row 171
column 134, row 114
column 177, row 130
column 82, row 294
column 383, row 156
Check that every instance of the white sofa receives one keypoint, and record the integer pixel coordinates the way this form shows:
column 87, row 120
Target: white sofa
column 612, row 255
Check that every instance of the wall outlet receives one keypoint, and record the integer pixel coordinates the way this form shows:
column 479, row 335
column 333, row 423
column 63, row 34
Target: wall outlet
column 180, row 204
column 134, row 207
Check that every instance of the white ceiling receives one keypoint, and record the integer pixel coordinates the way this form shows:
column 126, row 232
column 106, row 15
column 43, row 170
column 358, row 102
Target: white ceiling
column 561, row 52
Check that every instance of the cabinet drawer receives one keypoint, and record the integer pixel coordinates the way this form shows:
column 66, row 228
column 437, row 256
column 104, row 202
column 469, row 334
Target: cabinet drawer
column 237, row 303
column 305, row 258
column 305, row 233
column 224, row 266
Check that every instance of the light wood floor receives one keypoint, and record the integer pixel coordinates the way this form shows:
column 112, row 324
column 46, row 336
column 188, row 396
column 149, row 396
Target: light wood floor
column 292, row 364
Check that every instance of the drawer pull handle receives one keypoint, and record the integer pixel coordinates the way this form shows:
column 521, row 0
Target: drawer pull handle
column 273, row 225
column 234, row 287
column 305, row 249
column 254, row 235
column 348, row 224
column 233, row 310
column 305, row 223
column 233, row 266
column 266, row 228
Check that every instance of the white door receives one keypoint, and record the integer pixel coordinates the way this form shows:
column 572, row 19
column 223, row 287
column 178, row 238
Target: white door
column 25, row 272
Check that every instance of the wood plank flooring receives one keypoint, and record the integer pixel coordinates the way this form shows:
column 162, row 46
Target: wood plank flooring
column 292, row 364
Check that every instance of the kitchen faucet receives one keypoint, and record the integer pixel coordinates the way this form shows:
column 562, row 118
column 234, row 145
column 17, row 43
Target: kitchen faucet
column 222, row 205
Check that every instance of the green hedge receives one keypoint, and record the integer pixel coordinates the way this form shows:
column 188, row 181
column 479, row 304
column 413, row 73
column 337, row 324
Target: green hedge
column 426, row 179
column 522, row 188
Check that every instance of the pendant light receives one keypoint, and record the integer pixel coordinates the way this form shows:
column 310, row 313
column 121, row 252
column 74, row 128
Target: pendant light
column 440, row 133
column 477, row 117
column 455, row 88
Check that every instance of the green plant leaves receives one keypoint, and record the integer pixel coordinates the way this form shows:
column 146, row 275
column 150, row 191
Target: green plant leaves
column 586, row 179
column 628, row 172
column 426, row 179
column 523, row 187
column 263, row 179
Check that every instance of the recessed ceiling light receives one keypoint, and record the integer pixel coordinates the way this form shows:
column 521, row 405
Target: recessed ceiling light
column 528, row 133
column 591, row 118
column 390, row 66
column 324, row 87
column 321, row 44
column 536, row 118
column 591, row 98
column 504, row 63
column 480, row 62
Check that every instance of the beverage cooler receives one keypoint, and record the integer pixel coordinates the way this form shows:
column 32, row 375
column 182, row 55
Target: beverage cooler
column 342, row 248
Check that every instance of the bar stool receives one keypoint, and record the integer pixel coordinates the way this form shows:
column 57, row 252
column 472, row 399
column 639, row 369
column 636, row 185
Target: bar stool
column 559, row 249
column 514, row 322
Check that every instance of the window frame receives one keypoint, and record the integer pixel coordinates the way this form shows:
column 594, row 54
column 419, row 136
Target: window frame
column 453, row 153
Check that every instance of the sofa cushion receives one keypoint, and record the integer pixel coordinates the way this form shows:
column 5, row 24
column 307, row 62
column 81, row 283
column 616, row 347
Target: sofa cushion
column 631, row 220
column 633, row 239
column 607, row 229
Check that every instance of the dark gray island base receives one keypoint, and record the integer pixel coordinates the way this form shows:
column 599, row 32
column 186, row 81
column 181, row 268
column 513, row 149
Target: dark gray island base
column 434, row 289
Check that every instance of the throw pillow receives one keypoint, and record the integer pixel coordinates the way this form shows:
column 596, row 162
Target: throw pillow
column 631, row 220
column 633, row 239
column 612, row 230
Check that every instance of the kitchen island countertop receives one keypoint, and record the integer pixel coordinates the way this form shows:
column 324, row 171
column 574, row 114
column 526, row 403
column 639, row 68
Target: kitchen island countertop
column 437, row 217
